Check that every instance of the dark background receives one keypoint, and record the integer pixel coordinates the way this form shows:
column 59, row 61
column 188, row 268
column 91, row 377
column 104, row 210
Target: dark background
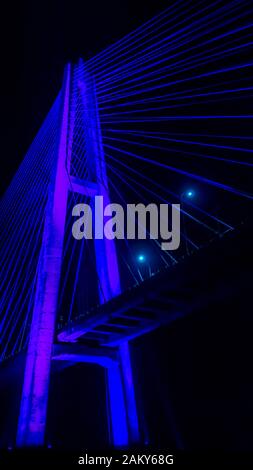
column 37, row 38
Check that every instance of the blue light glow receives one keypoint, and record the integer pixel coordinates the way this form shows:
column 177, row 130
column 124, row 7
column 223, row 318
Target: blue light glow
column 141, row 258
column 190, row 193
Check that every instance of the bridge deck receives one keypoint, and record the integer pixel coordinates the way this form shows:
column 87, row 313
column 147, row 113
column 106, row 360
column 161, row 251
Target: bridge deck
column 206, row 276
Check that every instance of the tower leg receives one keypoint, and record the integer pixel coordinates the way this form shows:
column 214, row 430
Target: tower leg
column 128, row 383
column 32, row 418
column 121, row 387
column 118, row 415
column 123, row 413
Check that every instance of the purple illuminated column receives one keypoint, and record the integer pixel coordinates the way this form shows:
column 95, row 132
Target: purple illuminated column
column 33, row 411
column 106, row 257
column 123, row 412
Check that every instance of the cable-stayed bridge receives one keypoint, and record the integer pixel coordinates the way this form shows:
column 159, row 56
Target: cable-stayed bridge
column 162, row 116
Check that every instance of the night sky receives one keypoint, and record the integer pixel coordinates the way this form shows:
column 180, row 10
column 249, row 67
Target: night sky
column 37, row 39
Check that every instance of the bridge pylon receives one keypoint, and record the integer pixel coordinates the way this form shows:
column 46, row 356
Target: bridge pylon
column 33, row 410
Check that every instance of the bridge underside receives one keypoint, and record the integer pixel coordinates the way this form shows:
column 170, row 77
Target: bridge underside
column 181, row 290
